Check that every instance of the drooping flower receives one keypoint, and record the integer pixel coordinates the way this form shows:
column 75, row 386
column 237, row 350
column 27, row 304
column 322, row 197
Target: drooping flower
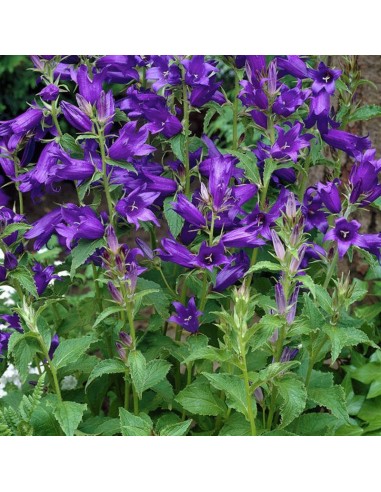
column 79, row 223
column 49, row 93
column 42, row 276
column 232, row 272
column 131, row 142
column 324, row 78
column 76, row 117
column 330, row 195
column 188, row 211
column 349, row 143
column 186, row 316
column 134, row 207
column 176, row 253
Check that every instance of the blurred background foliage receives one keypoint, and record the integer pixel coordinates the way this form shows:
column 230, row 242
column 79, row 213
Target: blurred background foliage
column 17, row 84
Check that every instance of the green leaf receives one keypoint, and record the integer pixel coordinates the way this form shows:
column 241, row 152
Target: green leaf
column 108, row 312
column 314, row 424
column 234, row 388
column 25, row 279
column 146, row 375
column 180, row 429
column 323, row 298
column 121, row 164
column 177, row 145
column 341, row 337
column 276, row 369
column 69, row 415
column 198, row 398
column 16, row 226
column 294, row 396
column 174, row 220
column 366, row 113
column 82, row 251
column 309, row 283
column 135, row 425
column 249, row 164
column 23, row 347
column 236, row 425
column 108, row 366
column 268, row 169
column 69, row 351
column 312, row 314
column 158, row 299
column 69, row 144
column 332, row 398
column 264, row 265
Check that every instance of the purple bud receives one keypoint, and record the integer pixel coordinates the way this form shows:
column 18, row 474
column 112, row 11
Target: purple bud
column 295, row 262
column 10, row 261
column 49, row 93
column 146, row 250
column 288, row 354
column 278, row 246
column 258, row 393
column 291, row 206
column 112, row 240
column 116, row 295
column 121, row 351
column 3, row 273
column 292, row 303
column 280, row 298
column 272, row 77
column 119, row 264
column 125, row 338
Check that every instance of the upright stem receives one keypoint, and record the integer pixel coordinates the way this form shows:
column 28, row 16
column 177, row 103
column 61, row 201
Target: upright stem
column 186, row 133
column 97, row 290
column 204, row 291
column 249, row 399
column 331, row 270
column 55, row 119
column 106, row 184
column 129, row 308
column 235, row 111
column 52, row 368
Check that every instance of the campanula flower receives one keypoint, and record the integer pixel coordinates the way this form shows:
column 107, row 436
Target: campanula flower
column 290, row 142
column 234, row 271
column 131, row 142
column 134, row 207
column 76, row 117
column 42, row 276
column 349, row 143
column 330, row 195
column 188, row 211
column 90, row 88
column 324, row 78
column 186, row 316
column 210, row 256
column 49, row 93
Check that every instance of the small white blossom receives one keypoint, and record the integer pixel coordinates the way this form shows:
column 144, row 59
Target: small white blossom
column 69, row 383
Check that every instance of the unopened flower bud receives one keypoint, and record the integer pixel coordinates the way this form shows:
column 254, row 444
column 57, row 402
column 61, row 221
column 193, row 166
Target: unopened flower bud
column 119, row 264
column 116, row 295
column 278, row 246
column 125, row 338
column 112, row 240
column 272, row 77
column 145, row 249
column 10, row 261
column 121, row 351
column 295, row 262
column 258, row 394
column 291, row 206
column 280, row 298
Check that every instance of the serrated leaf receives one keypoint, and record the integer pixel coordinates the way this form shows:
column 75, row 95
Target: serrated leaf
column 108, row 366
column 234, row 389
column 69, row 144
column 174, row 220
column 264, row 265
column 69, row 415
column 177, row 145
column 135, row 425
column 236, row 425
column 198, row 398
column 268, row 170
column 25, row 279
column 69, row 351
column 179, row 429
column 122, row 164
column 108, row 312
column 332, row 398
column 341, row 337
column 309, row 283
column 294, row 396
column 16, row 226
column 146, row 375
column 249, row 164
column 366, row 113
column 82, row 251
column 158, row 299
column 276, row 369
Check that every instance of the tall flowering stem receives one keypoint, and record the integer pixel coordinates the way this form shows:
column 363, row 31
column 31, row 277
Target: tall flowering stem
column 106, row 183
column 186, row 111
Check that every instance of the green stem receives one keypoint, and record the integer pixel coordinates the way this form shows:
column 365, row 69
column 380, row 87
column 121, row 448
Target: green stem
column 127, row 386
column 129, row 308
column 166, row 282
column 52, row 369
column 189, row 381
column 106, row 184
column 330, row 270
column 312, row 361
column 186, row 133
column 97, row 290
column 55, row 119
column 277, row 356
column 235, row 111
column 249, row 399
column 204, row 291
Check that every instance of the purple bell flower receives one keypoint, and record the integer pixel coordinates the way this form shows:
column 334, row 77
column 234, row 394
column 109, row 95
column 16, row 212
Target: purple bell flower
column 76, row 117
column 186, row 316
column 288, row 144
column 134, row 207
column 330, row 195
column 188, row 211
column 49, row 93
column 345, row 234
column 131, row 142
column 232, row 272
column 90, row 88
column 349, row 143
column 42, row 276
column 211, row 256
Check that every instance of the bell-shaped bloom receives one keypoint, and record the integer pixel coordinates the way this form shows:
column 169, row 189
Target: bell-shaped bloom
column 324, row 78
column 243, row 237
column 76, row 117
column 232, row 272
column 53, row 345
column 186, row 316
column 42, row 276
column 43, row 228
column 294, row 66
column 49, row 93
column 345, row 233
column 90, row 88
column 106, row 110
column 8, row 216
column 188, row 211
column 353, row 145
column 364, row 180
column 312, row 211
column 131, row 142
column 13, row 321
column 23, row 123
column 134, row 207
column 79, row 223
column 176, row 253
column 211, row 256
column 289, row 143
column 10, row 261
column 289, row 100
column 163, row 72
column 119, row 69
column 330, row 195
column 199, row 76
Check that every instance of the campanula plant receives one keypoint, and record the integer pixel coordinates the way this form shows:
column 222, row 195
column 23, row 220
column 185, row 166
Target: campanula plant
column 170, row 265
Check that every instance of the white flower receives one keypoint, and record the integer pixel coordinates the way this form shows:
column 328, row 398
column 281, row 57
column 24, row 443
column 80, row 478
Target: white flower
column 69, row 383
